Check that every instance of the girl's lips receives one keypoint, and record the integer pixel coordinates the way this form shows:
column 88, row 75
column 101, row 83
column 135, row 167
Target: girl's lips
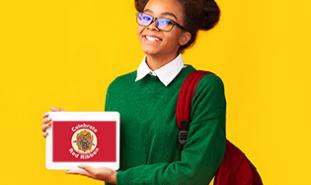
column 152, row 38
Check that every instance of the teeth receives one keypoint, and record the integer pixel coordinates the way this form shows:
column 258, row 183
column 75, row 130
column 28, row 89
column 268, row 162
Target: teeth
column 152, row 38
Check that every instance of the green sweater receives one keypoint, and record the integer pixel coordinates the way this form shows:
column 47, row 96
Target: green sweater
column 149, row 153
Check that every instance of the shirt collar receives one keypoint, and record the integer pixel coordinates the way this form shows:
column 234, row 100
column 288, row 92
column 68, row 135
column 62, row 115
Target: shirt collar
column 166, row 73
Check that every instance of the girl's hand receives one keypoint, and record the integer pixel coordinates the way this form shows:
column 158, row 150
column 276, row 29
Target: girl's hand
column 106, row 174
column 47, row 122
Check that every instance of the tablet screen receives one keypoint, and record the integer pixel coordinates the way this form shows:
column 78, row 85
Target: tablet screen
column 77, row 138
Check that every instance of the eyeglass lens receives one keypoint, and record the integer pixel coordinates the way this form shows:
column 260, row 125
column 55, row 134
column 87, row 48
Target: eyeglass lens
column 161, row 23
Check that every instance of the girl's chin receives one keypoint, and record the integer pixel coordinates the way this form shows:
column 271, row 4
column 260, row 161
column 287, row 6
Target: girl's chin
column 151, row 47
column 151, row 51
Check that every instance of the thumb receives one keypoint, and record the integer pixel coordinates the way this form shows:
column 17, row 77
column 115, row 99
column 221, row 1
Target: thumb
column 55, row 109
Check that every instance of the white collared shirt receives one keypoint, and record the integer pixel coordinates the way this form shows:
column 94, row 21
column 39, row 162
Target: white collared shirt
column 166, row 73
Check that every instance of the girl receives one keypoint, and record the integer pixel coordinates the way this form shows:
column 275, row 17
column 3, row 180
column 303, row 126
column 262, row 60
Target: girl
column 146, row 99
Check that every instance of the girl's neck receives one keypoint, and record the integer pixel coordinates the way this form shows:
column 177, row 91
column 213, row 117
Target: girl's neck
column 155, row 62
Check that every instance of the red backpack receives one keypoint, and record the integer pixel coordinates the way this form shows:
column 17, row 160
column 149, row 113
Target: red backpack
column 235, row 168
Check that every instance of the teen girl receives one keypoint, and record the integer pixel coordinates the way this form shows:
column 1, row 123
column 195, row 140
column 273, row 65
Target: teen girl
column 146, row 99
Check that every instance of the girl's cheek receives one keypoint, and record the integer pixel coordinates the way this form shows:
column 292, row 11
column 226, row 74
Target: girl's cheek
column 140, row 29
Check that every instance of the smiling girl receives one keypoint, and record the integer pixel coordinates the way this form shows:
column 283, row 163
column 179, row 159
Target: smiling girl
column 146, row 99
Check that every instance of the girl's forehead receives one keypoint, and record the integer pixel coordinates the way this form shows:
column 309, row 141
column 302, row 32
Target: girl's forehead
column 164, row 7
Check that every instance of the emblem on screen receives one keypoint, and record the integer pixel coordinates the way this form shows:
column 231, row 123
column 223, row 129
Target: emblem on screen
column 84, row 141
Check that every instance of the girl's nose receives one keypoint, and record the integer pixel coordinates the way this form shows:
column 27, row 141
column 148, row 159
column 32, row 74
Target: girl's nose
column 153, row 25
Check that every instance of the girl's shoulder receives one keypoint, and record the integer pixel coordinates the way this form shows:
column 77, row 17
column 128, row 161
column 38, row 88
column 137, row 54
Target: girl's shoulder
column 210, row 84
column 124, row 78
column 122, row 81
column 211, row 79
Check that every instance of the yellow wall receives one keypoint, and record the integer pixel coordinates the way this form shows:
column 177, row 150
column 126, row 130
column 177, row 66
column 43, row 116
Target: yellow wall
column 64, row 53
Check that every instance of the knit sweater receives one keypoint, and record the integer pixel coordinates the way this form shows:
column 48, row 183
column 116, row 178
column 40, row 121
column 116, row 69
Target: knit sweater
column 149, row 153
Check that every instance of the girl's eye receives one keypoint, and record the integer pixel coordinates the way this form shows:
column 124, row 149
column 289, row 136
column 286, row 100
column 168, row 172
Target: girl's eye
column 146, row 18
column 165, row 22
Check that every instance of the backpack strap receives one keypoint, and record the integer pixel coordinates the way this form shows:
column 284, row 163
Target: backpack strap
column 184, row 101
column 235, row 169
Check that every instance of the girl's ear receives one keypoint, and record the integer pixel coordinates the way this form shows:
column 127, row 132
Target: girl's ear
column 184, row 38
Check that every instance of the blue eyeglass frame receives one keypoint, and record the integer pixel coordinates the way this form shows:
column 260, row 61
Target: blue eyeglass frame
column 156, row 19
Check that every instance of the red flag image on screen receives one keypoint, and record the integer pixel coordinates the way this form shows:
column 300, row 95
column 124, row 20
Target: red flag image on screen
column 84, row 141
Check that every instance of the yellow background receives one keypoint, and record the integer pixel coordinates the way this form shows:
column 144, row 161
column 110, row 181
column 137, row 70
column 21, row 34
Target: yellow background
column 64, row 53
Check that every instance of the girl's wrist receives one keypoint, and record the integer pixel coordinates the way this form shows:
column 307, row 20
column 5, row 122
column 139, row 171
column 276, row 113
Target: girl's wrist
column 112, row 178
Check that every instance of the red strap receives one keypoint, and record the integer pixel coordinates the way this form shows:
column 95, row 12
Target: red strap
column 183, row 107
column 235, row 168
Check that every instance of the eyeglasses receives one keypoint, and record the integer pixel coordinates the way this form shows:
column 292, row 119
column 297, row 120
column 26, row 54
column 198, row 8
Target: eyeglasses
column 163, row 24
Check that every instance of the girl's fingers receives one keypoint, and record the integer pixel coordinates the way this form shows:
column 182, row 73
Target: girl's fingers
column 78, row 172
column 46, row 120
column 45, row 134
column 89, row 169
column 45, row 115
column 55, row 109
column 45, row 127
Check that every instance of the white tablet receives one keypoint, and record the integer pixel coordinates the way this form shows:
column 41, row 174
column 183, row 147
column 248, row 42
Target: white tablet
column 77, row 138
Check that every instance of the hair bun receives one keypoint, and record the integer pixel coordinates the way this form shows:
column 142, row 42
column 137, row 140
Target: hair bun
column 210, row 15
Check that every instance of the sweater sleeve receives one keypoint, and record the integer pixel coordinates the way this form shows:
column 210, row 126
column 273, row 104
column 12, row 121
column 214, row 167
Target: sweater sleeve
column 107, row 101
column 204, row 150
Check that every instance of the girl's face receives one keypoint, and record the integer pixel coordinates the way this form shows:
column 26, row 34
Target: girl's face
column 155, row 42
